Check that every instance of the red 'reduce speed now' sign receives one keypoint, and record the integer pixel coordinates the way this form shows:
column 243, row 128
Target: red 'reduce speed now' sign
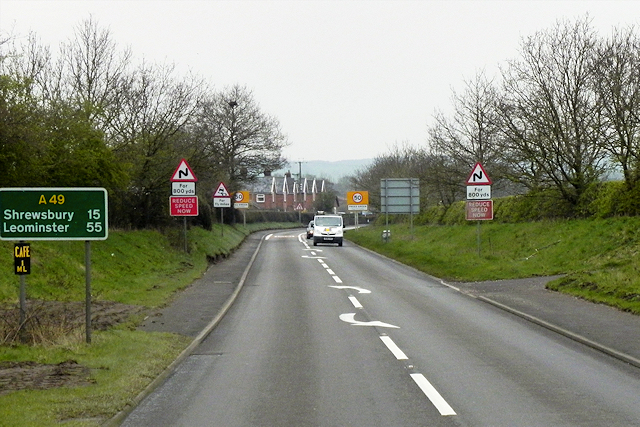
column 478, row 210
column 184, row 206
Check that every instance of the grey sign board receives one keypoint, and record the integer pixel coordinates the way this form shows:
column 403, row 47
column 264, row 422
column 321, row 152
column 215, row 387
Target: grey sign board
column 400, row 195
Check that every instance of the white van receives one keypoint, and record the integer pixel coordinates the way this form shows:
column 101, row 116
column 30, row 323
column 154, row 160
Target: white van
column 327, row 229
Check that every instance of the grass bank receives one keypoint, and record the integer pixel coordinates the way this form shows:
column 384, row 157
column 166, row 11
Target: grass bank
column 141, row 268
column 599, row 258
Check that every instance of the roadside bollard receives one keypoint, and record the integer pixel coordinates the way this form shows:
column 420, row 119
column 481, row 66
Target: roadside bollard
column 386, row 235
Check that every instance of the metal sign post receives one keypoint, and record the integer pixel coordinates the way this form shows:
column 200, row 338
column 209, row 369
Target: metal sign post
column 479, row 206
column 183, row 201
column 241, row 201
column 41, row 213
column 221, row 199
column 22, row 266
column 87, row 292
column 357, row 201
column 401, row 196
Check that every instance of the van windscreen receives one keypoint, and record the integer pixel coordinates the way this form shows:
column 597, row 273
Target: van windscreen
column 328, row 221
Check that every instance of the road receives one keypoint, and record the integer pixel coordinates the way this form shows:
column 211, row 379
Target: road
column 338, row 336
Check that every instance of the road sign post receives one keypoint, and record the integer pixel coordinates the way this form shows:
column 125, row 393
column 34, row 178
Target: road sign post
column 183, row 201
column 479, row 206
column 44, row 213
column 22, row 266
column 221, row 199
column 400, row 195
column 241, row 201
column 357, row 201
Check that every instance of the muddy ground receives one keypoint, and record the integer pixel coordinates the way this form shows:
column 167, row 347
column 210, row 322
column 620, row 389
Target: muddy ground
column 47, row 322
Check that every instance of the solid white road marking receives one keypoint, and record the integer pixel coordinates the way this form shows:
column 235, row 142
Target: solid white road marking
column 355, row 288
column 350, row 318
column 355, row 302
column 399, row 354
column 268, row 236
column 438, row 401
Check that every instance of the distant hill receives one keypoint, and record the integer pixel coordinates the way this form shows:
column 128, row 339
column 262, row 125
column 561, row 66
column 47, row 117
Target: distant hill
column 333, row 171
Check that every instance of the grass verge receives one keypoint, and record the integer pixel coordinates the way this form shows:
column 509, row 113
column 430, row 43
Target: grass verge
column 143, row 268
column 599, row 258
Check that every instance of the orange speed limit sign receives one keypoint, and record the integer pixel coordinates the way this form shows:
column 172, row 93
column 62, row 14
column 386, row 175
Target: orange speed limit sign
column 358, row 200
column 241, row 200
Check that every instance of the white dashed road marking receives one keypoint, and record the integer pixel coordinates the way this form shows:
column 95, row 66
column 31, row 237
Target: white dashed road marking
column 399, row 354
column 355, row 302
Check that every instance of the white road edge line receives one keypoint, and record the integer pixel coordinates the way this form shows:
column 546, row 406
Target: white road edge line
column 355, row 302
column 441, row 405
column 399, row 354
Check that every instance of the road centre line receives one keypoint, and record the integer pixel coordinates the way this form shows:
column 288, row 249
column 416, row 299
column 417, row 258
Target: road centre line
column 355, row 302
column 425, row 386
column 356, row 288
column 350, row 318
column 438, row 401
column 399, row 354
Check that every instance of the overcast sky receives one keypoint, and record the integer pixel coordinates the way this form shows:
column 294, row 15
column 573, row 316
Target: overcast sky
column 346, row 79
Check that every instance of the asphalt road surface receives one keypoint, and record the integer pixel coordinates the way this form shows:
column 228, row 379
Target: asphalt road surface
column 338, row 336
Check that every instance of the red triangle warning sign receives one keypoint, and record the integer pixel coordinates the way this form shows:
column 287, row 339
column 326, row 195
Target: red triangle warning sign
column 478, row 176
column 183, row 173
column 221, row 191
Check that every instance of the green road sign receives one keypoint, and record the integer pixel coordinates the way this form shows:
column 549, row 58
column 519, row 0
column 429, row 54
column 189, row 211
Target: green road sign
column 53, row 214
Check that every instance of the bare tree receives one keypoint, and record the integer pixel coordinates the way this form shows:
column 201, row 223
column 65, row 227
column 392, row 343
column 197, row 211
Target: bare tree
column 31, row 61
column 617, row 84
column 63, row 147
column 550, row 116
column 402, row 161
column 149, row 134
column 236, row 138
column 91, row 69
column 471, row 135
